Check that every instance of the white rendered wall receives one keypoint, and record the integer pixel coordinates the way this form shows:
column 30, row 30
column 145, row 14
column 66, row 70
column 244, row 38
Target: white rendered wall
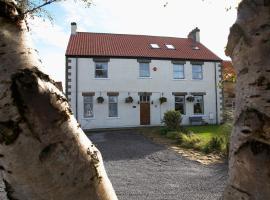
column 123, row 77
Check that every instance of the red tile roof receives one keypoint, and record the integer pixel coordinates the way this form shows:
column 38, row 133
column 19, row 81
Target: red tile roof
column 122, row 45
column 228, row 70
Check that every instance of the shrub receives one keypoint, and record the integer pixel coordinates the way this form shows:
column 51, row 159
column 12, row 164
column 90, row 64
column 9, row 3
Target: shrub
column 162, row 100
column 173, row 135
column 164, row 130
column 129, row 99
column 214, row 145
column 189, row 141
column 172, row 119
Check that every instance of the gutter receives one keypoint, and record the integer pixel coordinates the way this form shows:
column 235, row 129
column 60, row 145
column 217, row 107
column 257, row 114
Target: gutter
column 66, row 77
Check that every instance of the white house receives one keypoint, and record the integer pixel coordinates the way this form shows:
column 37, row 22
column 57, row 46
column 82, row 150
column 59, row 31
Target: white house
column 130, row 73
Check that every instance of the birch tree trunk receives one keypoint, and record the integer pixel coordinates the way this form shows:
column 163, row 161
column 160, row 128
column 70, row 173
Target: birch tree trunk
column 249, row 48
column 44, row 154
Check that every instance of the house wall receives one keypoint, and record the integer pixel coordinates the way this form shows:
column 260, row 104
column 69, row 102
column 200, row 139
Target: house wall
column 123, row 77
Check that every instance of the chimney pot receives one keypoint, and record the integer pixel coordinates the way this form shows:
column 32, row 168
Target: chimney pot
column 73, row 28
column 195, row 35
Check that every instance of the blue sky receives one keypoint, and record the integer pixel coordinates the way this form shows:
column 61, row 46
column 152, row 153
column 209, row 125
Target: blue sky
column 148, row 17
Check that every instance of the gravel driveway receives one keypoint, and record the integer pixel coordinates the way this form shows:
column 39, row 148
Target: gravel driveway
column 142, row 170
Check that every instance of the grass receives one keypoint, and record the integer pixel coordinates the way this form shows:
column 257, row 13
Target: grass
column 211, row 138
column 206, row 133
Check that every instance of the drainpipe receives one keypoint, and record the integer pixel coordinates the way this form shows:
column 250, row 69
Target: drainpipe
column 216, row 92
column 76, row 90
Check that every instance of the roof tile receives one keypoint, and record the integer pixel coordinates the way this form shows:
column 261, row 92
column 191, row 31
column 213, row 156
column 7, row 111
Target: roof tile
column 122, row 45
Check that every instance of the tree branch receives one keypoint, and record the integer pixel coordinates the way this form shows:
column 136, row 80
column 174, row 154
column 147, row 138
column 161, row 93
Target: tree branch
column 38, row 7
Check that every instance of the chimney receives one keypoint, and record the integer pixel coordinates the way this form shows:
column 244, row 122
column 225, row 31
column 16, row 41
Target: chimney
column 73, row 28
column 195, row 35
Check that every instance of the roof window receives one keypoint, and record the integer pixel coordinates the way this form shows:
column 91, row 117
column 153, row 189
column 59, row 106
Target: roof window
column 169, row 46
column 154, row 46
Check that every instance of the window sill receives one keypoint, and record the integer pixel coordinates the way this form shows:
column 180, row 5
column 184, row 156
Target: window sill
column 145, row 77
column 179, row 79
column 102, row 79
column 113, row 118
column 197, row 79
column 88, row 118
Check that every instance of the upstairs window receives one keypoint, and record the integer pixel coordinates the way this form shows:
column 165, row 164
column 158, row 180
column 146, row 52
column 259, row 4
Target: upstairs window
column 178, row 71
column 154, row 46
column 144, row 70
column 88, row 107
column 169, row 46
column 101, row 70
column 197, row 72
column 180, row 104
column 198, row 105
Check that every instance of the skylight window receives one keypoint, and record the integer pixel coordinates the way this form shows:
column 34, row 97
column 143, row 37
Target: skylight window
column 170, row 46
column 154, row 46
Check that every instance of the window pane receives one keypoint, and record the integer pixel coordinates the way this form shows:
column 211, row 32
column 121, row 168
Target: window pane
column 144, row 70
column 197, row 75
column 113, row 110
column 180, row 104
column 88, row 99
column 88, row 106
column 113, row 99
column 101, row 70
column 198, row 105
column 178, row 71
column 179, row 107
column 197, row 72
column 179, row 99
column 196, row 68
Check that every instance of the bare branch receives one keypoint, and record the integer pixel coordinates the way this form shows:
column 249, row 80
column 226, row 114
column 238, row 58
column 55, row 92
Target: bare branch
column 38, row 7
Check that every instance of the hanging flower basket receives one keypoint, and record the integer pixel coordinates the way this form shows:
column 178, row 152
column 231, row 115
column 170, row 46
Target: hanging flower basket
column 190, row 98
column 129, row 99
column 100, row 99
column 162, row 100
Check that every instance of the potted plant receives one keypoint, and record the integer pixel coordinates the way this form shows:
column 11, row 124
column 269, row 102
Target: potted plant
column 100, row 99
column 190, row 98
column 129, row 99
column 162, row 100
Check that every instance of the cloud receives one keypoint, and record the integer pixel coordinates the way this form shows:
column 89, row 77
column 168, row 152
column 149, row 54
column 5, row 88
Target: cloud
column 44, row 31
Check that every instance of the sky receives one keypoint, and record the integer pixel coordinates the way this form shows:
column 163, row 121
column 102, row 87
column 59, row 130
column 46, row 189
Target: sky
column 148, row 17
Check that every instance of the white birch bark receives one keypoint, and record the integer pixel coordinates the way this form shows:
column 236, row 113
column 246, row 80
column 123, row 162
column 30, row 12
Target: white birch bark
column 249, row 48
column 44, row 154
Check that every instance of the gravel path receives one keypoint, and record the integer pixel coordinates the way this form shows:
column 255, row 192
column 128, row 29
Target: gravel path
column 142, row 170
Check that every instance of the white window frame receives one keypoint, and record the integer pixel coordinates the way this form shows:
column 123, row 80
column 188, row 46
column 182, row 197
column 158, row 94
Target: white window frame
column 154, row 46
column 178, row 71
column 202, row 104
column 195, row 72
column 88, row 102
column 169, row 46
column 106, row 69
column 110, row 103
column 141, row 64
column 184, row 103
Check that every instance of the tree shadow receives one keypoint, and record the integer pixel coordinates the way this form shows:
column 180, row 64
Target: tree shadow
column 123, row 145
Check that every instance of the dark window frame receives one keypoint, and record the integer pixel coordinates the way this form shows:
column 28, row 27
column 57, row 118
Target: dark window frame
column 179, row 102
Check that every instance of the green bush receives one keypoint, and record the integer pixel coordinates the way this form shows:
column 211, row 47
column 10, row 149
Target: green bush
column 214, row 145
column 164, row 130
column 172, row 119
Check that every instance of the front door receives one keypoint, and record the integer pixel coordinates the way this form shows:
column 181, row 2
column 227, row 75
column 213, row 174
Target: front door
column 145, row 110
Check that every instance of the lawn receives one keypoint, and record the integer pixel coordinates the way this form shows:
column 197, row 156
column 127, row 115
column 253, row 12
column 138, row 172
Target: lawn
column 206, row 133
column 210, row 138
